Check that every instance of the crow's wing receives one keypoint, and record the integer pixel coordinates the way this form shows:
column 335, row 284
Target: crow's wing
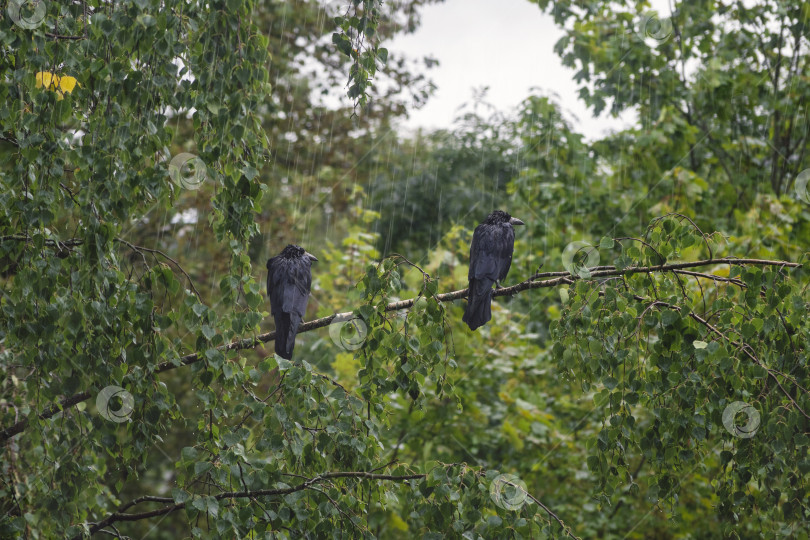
column 491, row 252
column 483, row 263
column 296, row 291
column 507, row 247
column 271, row 264
column 288, row 285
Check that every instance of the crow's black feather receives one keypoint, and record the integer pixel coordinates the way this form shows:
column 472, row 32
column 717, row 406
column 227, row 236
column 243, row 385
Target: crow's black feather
column 289, row 278
column 490, row 258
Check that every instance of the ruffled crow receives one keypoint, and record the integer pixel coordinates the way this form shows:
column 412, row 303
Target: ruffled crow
column 490, row 258
column 289, row 278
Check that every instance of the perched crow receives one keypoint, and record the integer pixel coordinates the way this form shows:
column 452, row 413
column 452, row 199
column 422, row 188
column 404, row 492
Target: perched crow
column 490, row 257
column 288, row 281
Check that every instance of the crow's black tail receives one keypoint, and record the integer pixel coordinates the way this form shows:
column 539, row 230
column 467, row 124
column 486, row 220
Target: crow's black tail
column 286, row 328
column 478, row 310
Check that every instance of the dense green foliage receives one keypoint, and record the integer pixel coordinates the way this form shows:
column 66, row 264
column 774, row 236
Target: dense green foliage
column 650, row 381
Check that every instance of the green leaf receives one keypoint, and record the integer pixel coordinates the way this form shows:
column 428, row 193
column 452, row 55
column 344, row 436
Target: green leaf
column 342, row 42
column 208, row 331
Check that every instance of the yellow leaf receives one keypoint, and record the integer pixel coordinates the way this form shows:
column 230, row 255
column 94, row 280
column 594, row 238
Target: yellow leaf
column 67, row 83
column 59, row 84
column 44, row 79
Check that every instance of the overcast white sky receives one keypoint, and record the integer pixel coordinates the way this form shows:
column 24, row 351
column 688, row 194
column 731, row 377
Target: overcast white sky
column 507, row 45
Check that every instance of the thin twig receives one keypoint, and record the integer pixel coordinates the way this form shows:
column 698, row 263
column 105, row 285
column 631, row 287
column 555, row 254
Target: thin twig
column 158, row 252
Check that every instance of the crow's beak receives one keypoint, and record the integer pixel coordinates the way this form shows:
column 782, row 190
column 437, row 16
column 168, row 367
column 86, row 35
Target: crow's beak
column 310, row 255
column 516, row 221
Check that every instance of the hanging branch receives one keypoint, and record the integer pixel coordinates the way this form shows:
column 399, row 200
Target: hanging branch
column 155, row 253
column 534, row 282
column 64, row 246
column 121, row 516
column 310, row 483
column 741, row 345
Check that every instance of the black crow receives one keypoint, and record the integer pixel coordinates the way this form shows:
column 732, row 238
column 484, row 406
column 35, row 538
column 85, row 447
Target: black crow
column 289, row 278
column 490, row 258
